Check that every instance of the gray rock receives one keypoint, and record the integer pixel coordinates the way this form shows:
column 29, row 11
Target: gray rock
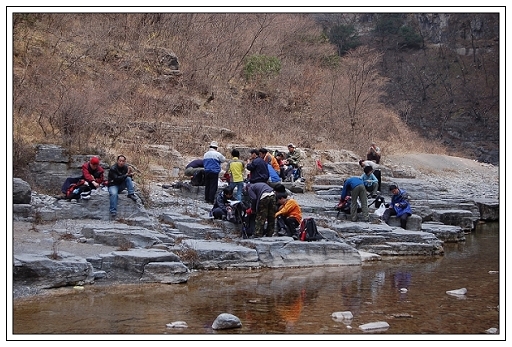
column 52, row 270
column 226, row 321
column 165, row 272
column 375, row 326
column 21, row 192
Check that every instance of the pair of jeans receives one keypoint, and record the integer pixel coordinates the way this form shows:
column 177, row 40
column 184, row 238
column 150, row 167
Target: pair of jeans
column 239, row 188
column 114, row 190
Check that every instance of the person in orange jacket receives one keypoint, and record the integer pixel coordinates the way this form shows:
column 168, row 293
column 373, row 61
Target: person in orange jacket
column 288, row 216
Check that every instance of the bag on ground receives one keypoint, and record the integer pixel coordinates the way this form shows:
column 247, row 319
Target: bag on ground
column 75, row 190
column 308, row 230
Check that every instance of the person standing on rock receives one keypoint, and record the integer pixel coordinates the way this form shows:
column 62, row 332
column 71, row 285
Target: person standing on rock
column 212, row 161
column 236, row 168
column 263, row 204
column 373, row 153
column 257, row 167
column 354, row 186
column 399, row 206
column 119, row 178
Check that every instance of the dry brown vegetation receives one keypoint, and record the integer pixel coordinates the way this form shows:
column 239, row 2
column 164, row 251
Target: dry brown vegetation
column 102, row 83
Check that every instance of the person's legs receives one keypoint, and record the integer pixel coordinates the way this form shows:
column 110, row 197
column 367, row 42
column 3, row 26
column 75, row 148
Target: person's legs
column 353, row 206
column 67, row 183
column 282, row 226
column 363, row 198
column 292, row 225
column 377, row 174
column 390, row 211
column 128, row 183
column 403, row 220
column 259, row 224
column 211, row 181
column 373, row 189
column 271, row 215
column 239, row 188
column 217, row 213
column 113, row 193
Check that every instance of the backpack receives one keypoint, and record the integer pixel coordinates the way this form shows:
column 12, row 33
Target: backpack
column 198, row 178
column 308, row 230
column 75, row 190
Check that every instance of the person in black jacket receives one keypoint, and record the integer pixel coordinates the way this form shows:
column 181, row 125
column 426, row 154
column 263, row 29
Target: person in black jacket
column 263, row 205
column 119, row 178
column 257, row 167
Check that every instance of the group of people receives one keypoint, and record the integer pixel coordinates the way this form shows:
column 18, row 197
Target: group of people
column 260, row 196
column 360, row 188
column 120, row 177
column 262, row 166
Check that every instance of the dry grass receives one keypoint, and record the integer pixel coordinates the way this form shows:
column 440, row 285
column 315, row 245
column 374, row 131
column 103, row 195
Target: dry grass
column 103, row 89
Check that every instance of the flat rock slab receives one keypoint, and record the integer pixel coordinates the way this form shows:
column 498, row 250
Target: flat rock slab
column 275, row 252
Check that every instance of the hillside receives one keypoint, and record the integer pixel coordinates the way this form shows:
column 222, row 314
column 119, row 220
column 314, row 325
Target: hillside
column 125, row 83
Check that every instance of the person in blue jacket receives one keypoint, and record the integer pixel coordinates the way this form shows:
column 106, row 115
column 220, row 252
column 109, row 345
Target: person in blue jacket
column 212, row 165
column 354, row 186
column 371, row 182
column 399, row 206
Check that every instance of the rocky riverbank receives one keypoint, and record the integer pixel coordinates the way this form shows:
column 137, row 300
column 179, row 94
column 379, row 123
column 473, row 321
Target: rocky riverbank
column 59, row 243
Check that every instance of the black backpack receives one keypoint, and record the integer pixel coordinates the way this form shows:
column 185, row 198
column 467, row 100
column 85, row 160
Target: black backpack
column 308, row 230
column 198, row 178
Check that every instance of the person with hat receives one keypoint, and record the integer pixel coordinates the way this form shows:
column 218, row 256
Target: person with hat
column 292, row 160
column 399, row 206
column 93, row 173
column 92, row 177
column 212, row 161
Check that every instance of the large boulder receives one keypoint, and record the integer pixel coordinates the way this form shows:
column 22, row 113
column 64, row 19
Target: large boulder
column 21, row 191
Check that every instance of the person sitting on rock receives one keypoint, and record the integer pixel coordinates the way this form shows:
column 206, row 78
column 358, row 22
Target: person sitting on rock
column 92, row 178
column 288, row 216
column 292, row 161
column 399, row 206
column 222, row 207
column 371, row 183
column 376, row 170
column 120, row 178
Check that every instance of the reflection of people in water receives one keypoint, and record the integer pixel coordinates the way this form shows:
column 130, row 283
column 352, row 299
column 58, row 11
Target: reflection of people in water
column 290, row 313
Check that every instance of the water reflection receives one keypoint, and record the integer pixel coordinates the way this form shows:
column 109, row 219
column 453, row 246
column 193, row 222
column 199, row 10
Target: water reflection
column 290, row 301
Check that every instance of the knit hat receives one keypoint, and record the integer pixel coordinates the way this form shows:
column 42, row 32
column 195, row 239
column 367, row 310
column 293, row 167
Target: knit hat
column 214, row 144
column 94, row 161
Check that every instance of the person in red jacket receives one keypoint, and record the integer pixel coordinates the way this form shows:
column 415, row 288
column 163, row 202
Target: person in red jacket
column 92, row 177
column 93, row 173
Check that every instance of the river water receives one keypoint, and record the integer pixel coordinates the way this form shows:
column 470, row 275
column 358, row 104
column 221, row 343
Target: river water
column 297, row 302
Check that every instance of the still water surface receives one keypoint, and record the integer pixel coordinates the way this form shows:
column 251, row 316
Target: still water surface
column 292, row 301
